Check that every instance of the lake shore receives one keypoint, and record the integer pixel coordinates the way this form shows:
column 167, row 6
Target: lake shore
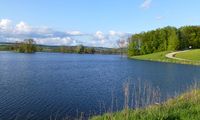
column 183, row 107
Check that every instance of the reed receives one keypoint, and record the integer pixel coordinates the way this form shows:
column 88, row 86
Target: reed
column 148, row 105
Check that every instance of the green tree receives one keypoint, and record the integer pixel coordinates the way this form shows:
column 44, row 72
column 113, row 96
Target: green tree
column 26, row 46
column 132, row 50
column 63, row 49
column 80, row 49
column 89, row 50
column 173, row 41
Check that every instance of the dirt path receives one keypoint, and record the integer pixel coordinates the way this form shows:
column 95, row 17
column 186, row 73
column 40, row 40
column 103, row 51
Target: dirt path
column 173, row 54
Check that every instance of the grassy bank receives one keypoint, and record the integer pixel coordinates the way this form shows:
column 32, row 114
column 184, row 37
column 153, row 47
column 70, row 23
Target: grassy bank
column 193, row 55
column 160, row 57
column 184, row 107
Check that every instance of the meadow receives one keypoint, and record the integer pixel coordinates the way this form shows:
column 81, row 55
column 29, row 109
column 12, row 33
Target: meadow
column 160, row 57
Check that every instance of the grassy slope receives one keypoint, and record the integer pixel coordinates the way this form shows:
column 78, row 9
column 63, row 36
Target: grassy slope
column 160, row 57
column 190, row 55
column 184, row 107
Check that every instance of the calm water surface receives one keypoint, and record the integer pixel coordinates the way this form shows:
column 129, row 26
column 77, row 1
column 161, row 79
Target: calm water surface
column 37, row 86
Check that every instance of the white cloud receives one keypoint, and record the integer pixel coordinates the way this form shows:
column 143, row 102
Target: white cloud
column 112, row 33
column 22, row 27
column 109, row 39
column 5, row 24
column 55, row 41
column 10, row 32
column 117, row 34
column 146, row 4
column 100, row 36
column 74, row 33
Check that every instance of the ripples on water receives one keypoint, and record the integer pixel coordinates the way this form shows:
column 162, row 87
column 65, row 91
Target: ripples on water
column 37, row 86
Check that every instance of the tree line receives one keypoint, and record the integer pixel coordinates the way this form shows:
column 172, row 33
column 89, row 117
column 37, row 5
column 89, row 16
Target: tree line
column 164, row 39
column 77, row 49
column 80, row 49
column 30, row 46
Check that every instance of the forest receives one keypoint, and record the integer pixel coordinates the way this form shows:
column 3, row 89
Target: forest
column 164, row 39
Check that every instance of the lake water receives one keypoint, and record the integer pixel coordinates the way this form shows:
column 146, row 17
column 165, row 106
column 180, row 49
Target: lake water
column 43, row 85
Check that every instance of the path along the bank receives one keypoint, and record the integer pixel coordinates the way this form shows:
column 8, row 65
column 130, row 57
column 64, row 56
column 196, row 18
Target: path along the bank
column 173, row 55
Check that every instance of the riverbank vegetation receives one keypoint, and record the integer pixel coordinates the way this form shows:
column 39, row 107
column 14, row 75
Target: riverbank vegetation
column 183, row 107
column 176, row 107
column 164, row 39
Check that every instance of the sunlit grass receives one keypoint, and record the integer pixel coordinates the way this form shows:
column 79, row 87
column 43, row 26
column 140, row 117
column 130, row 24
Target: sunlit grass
column 160, row 57
column 190, row 55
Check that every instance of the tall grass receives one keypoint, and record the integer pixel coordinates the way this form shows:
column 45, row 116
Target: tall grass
column 149, row 106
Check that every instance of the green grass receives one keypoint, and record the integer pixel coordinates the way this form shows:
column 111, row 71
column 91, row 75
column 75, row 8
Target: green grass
column 154, row 57
column 160, row 57
column 184, row 107
column 190, row 55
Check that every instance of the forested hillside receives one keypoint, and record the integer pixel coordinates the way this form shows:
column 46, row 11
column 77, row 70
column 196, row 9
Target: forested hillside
column 164, row 39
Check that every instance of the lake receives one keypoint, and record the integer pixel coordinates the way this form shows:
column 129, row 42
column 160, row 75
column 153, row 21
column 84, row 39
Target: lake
column 41, row 86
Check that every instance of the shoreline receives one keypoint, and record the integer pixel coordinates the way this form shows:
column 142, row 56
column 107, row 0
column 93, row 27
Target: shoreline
column 181, row 107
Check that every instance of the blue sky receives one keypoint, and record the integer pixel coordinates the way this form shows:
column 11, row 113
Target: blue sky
column 91, row 22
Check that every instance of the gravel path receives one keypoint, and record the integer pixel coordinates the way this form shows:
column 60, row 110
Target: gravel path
column 173, row 54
